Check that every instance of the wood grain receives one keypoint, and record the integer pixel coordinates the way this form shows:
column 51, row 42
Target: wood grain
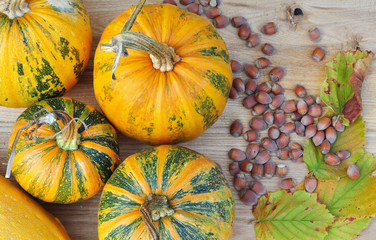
column 337, row 21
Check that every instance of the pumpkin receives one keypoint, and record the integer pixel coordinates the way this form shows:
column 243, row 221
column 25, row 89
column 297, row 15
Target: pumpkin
column 174, row 82
column 166, row 192
column 44, row 48
column 57, row 159
column 22, row 218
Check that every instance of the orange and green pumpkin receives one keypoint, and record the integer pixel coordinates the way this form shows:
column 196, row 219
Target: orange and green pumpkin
column 175, row 81
column 22, row 218
column 70, row 167
column 44, row 48
column 167, row 191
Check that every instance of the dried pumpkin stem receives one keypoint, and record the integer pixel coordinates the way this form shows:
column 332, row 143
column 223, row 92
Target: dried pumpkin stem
column 67, row 139
column 153, row 209
column 162, row 56
column 14, row 8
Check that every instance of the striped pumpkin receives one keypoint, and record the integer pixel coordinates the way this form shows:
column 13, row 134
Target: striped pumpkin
column 57, row 172
column 157, row 104
column 22, row 218
column 44, row 48
column 196, row 190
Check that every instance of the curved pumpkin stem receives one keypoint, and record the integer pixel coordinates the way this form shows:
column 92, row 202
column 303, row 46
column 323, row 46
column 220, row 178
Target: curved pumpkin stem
column 162, row 56
column 14, row 8
column 67, row 138
column 153, row 209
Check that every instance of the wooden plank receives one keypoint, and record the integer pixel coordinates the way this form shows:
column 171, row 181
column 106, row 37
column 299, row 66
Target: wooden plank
column 337, row 20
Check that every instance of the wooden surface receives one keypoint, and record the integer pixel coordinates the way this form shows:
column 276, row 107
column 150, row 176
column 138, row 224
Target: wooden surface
column 337, row 20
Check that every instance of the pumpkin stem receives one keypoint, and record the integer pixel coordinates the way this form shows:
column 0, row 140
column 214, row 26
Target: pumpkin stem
column 67, row 139
column 14, row 8
column 162, row 56
column 153, row 209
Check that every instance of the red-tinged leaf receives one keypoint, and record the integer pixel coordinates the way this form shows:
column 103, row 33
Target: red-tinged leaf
column 345, row 228
column 341, row 90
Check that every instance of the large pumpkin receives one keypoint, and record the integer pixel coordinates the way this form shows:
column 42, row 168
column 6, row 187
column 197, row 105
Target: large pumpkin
column 175, row 81
column 70, row 166
column 44, row 47
column 167, row 191
column 22, row 218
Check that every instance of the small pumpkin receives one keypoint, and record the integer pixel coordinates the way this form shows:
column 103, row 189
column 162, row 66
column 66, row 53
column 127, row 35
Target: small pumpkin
column 55, row 158
column 22, row 218
column 44, row 48
column 166, row 192
column 174, row 82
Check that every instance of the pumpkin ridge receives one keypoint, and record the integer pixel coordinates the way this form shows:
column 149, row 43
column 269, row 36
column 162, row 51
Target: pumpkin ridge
column 90, row 175
column 124, row 193
column 135, row 170
column 126, row 180
column 196, row 219
column 188, row 231
column 176, row 156
column 186, row 174
column 167, row 230
column 148, row 162
column 105, row 168
column 122, row 231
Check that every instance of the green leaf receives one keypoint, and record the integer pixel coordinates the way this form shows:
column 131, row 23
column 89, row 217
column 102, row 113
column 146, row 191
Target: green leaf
column 352, row 198
column 281, row 215
column 336, row 89
column 352, row 140
column 353, row 202
column 347, row 228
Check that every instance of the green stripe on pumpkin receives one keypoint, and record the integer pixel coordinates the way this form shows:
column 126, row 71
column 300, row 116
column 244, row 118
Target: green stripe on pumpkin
column 113, row 205
column 216, row 52
column 101, row 161
column 65, row 187
column 217, row 211
column 204, row 182
column 104, row 141
column 124, row 231
column 95, row 118
column 57, row 103
column 164, row 233
column 81, row 179
column 148, row 162
column 177, row 157
column 219, row 81
column 80, row 110
column 191, row 232
column 121, row 179
column 204, row 105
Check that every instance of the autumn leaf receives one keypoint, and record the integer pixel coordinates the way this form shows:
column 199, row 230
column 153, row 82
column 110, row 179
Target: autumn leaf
column 352, row 198
column 281, row 215
column 346, row 228
column 352, row 140
column 353, row 202
column 341, row 90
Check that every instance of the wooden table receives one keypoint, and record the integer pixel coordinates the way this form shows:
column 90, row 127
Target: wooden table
column 337, row 20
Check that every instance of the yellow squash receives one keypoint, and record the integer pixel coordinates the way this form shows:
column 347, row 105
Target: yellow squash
column 22, row 218
column 44, row 47
column 164, row 79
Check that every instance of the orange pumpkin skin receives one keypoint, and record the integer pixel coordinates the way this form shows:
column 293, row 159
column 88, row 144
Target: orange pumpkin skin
column 171, row 107
column 22, row 218
column 43, row 53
